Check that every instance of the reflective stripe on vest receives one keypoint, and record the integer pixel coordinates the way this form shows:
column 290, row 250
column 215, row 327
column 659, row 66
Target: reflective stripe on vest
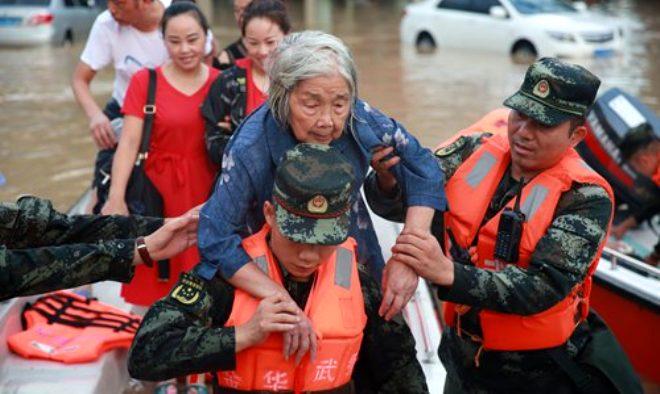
column 481, row 169
column 69, row 328
column 336, row 308
column 533, row 201
column 343, row 268
column 540, row 196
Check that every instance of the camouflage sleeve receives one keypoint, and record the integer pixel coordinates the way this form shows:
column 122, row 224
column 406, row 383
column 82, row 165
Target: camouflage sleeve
column 388, row 361
column 182, row 333
column 44, row 250
column 449, row 158
column 33, row 222
column 560, row 261
column 453, row 155
column 40, row 270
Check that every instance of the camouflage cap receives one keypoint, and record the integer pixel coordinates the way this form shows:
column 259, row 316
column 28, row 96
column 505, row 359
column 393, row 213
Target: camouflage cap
column 554, row 92
column 636, row 138
column 312, row 195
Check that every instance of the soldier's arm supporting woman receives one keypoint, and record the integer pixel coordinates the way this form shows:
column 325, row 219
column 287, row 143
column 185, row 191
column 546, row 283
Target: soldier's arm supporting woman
column 560, row 261
column 43, row 250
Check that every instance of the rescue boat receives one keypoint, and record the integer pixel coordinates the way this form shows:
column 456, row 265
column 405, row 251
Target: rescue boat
column 626, row 291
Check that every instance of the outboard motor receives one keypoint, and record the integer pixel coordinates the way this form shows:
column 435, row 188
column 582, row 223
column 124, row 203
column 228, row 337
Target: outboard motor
column 612, row 116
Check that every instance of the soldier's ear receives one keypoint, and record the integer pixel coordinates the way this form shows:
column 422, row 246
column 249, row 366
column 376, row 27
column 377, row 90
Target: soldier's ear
column 269, row 213
column 577, row 135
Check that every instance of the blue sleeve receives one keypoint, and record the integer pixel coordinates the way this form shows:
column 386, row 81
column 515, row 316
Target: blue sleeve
column 420, row 177
column 222, row 220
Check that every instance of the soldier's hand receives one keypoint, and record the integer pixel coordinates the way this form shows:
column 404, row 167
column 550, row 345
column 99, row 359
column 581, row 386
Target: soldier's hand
column 399, row 284
column 382, row 166
column 192, row 212
column 276, row 313
column 175, row 236
column 300, row 340
column 99, row 126
column 115, row 207
column 420, row 251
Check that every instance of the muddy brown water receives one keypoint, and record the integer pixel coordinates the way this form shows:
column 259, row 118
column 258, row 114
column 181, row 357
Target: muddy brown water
column 46, row 149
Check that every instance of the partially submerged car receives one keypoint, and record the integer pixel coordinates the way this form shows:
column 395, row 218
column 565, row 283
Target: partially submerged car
column 523, row 28
column 34, row 22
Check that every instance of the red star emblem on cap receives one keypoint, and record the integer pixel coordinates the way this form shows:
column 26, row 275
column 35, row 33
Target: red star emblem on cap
column 318, row 204
column 541, row 89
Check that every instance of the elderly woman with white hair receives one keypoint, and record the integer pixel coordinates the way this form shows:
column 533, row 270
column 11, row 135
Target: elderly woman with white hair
column 313, row 99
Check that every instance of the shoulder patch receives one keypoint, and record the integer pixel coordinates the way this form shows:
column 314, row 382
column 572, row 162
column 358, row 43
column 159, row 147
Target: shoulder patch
column 187, row 291
column 451, row 148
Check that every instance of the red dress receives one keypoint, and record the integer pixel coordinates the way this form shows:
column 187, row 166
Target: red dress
column 177, row 165
column 255, row 97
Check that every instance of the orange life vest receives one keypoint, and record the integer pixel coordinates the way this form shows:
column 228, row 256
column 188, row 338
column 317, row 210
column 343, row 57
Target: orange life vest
column 478, row 177
column 70, row 328
column 494, row 122
column 656, row 176
column 336, row 309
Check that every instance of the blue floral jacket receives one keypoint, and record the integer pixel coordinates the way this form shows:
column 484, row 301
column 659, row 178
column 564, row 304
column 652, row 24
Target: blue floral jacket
column 235, row 210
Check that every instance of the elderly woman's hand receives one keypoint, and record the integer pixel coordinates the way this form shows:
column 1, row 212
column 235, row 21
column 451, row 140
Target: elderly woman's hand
column 399, row 285
column 276, row 313
column 300, row 340
column 382, row 164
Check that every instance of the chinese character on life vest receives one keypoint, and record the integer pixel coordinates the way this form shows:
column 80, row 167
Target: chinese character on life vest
column 232, row 379
column 275, row 380
column 324, row 370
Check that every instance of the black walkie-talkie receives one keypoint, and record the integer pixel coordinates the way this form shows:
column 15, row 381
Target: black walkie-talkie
column 509, row 231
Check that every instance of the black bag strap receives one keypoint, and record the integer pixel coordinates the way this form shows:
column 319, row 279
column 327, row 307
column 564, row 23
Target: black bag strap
column 149, row 110
column 163, row 270
column 578, row 376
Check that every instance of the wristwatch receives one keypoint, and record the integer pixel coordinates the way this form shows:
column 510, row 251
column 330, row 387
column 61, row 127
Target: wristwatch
column 144, row 253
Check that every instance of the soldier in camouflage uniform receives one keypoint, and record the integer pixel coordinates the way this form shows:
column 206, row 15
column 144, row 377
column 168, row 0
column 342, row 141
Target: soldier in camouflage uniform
column 184, row 333
column 43, row 250
column 548, row 112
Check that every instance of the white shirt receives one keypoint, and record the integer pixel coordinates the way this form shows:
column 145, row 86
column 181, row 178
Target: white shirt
column 127, row 48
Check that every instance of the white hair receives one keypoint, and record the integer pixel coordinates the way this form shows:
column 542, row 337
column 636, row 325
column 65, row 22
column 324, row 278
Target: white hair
column 305, row 55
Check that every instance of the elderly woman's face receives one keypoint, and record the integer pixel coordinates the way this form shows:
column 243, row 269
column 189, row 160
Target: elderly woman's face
column 319, row 108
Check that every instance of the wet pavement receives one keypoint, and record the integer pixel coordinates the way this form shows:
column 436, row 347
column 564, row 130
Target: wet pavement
column 46, row 150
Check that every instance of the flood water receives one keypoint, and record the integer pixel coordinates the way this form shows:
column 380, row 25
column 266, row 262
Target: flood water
column 46, row 149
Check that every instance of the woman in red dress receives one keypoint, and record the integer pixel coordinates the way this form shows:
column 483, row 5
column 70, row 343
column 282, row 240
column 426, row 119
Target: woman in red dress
column 177, row 163
column 244, row 87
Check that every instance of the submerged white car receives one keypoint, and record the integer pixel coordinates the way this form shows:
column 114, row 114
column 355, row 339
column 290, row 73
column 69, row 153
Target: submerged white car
column 33, row 22
column 531, row 28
